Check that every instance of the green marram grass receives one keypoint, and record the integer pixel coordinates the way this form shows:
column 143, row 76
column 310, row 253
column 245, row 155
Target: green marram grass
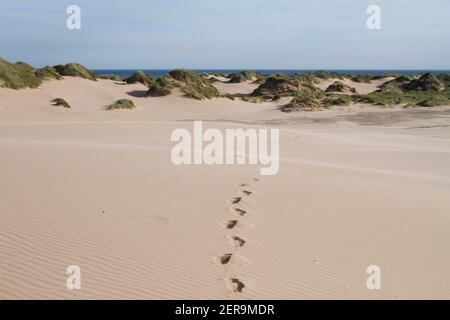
column 243, row 76
column 337, row 100
column 305, row 101
column 282, row 86
column 427, row 82
column 121, row 104
column 412, row 98
column 139, row 77
column 193, row 85
column 213, row 79
column 60, row 102
column 21, row 75
column 339, row 86
column 361, row 78
column 109, row 77
column 76, row 70
column 254, row 99
column 160, row 87
column 18, row 75
column 48, row 73
column 228, row 96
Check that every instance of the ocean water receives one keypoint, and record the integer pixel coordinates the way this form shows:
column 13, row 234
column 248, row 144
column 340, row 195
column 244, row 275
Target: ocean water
column 155, row 73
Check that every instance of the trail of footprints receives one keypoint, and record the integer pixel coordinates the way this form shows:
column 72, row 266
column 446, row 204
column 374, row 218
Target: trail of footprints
column 236, row 285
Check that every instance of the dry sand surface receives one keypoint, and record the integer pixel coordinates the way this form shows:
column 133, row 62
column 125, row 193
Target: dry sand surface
column 357, row 186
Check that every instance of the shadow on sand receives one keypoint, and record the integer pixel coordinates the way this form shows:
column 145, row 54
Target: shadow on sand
column 137, row 93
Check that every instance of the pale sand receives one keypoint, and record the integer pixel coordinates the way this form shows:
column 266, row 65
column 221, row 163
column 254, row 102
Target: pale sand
column 97, row 189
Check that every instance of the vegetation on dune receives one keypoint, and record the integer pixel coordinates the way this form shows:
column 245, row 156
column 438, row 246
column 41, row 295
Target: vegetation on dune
column 76, row 70
column 303, row 102
column 445, row 78
column 385, row 75
column 21, row 75
column 243, row 76
column 325, row 75
column 427, row 99
column 228, row 96
column 337, row 100
column 18, row 75
column 307, row 96
column 25, row 66
column 160, row 87
column 314, row 101
column 109, row 77
column 436, row 100
column 254, row 99
column 193, row 85
column 284, row 86
column 427, row 91
column 395, row 85
column 339, row 86
column 412, row 98
column 48, row 73
column 199, row 93
column 60, row 102
column 309, row 77
column 261, row 79
column 361, row 78
column 213, row 79
column 427, row 82
column 379, row 98
column 139, row 77
column 121, row 104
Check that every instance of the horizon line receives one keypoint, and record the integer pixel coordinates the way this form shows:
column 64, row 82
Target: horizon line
column 281, row 69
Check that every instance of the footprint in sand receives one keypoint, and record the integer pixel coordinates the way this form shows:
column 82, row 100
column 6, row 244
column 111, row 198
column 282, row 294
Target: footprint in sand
column 236, row 200
column 240, row 212
column 231, row 224
column 238, row 242
column 225, row 259
column 236, row 285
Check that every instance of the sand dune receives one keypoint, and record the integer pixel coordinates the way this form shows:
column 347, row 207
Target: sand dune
column 360, row 87
column 97, row 189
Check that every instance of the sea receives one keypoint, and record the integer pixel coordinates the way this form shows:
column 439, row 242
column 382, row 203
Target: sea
column 156, row 73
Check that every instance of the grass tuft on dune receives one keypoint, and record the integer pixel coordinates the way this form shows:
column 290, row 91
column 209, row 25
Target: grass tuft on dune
column 76, row 70
column 284, row 86
column 303, row 102
column 191, row 84
column 60, row 102
column 139, row 77
column 121, row 104
column 339, row 86
column 48, row 73
column 18, row 75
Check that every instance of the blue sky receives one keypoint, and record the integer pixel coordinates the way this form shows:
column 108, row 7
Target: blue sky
column 247, row 34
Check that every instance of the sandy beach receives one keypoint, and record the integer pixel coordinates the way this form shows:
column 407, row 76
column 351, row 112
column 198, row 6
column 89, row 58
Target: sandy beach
column 358, row 185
